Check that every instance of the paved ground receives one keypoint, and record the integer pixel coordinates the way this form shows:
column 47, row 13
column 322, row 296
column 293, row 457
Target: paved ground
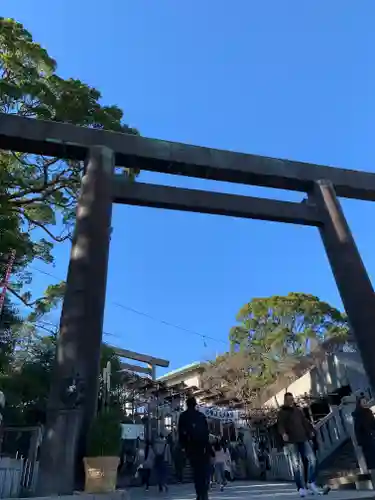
column 245, row 490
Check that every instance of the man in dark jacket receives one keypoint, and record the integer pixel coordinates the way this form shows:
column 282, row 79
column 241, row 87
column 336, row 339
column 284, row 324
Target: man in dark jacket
column 297, row 432
column 194, row 440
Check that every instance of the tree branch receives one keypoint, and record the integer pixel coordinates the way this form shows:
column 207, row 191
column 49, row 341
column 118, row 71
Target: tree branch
column 53, row 186
column 19, row 297
column 20, row 160
column 58, row 239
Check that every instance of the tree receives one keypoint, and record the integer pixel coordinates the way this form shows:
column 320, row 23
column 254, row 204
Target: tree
column 274, row 334
column 240, row 377
column 9, row 323
column 287, row 325
column 27, row 384
column 37, row 194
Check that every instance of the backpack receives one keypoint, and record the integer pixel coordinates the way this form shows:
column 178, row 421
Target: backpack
column 196, row 429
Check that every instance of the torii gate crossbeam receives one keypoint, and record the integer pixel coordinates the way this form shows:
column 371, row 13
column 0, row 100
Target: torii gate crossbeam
column 83, row 309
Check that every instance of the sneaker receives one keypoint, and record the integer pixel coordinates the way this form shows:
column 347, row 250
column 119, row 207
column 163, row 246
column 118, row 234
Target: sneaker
column 302, row 492
column 313, row 488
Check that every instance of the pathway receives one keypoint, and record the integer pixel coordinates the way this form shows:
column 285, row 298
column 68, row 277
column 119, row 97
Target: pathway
column 246, row 490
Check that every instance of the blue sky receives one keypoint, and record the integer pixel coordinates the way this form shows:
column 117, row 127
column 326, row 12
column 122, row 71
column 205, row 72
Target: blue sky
column 291, row 79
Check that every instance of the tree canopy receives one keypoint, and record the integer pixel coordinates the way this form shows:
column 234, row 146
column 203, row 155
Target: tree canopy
column 283, row 325
column 37, row 194
column 27, row 384
column 273, row 334
column 9, row 322
column 38, row 197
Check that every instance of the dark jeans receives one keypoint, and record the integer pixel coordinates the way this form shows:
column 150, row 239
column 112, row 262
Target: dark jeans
column 145, row 475
column 179, row 470
column 200, row 464
column 161, row 473
column 368, row 448
column 298, row 452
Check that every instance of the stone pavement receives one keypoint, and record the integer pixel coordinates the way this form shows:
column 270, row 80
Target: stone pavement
column 243, row 491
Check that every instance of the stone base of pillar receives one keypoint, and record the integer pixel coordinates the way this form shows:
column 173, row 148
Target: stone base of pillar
column 59, row 452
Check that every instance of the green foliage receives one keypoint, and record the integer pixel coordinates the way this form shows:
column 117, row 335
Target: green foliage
column 27, row 386
column 273, row 335
column 38, row 198
column 26, row 379
column 38, row 195
column 105, row 434
column 9, row 323
column 287, row 325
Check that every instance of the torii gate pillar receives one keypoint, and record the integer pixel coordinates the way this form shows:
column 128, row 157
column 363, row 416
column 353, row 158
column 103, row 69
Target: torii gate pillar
column 351, row 277
column 77, row 362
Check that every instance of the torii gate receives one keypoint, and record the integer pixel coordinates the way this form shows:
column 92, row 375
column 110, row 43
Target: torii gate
column 83, row 308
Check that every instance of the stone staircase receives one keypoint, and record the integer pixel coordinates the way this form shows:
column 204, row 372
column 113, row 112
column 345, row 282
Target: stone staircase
column 187, row 476
column 340, row 470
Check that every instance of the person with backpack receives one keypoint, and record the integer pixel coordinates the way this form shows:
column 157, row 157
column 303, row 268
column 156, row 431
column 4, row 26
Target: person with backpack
column 193, row 436
column 160, row 462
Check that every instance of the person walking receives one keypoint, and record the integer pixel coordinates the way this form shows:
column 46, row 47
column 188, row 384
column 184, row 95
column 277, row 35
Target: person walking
column 193, row 436
column 160, row 462
column 264, row 461
column 147, row 465
column 297, row 431
column 179, row 462
column 242, row 457
column 220, row 458
column 364, row 427
column 234, row 459
column 211, row 474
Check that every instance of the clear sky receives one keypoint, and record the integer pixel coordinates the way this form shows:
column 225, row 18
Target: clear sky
column 291, row 79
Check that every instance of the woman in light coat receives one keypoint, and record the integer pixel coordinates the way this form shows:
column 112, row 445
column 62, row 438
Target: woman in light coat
column 146, row 465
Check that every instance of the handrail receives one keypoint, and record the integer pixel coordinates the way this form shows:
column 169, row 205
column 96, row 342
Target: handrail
column 323, row 420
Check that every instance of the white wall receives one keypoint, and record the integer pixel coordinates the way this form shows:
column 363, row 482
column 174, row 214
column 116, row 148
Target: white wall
column 354, row 369
column 328, row 375
column 189, row 379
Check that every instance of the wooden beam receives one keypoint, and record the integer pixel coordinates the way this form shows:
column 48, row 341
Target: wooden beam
column 69, row 141
column 191, row 200
column 136, row 368
column 136, row 356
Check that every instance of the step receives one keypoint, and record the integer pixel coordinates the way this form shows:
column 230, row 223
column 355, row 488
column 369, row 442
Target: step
column 353, row 480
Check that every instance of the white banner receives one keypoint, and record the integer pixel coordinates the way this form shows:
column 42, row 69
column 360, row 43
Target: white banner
column 221, row 414
column 132, row 431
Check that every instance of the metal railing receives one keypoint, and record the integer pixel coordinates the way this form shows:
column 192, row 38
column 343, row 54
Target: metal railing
column 18, row 461
column 10, row 477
